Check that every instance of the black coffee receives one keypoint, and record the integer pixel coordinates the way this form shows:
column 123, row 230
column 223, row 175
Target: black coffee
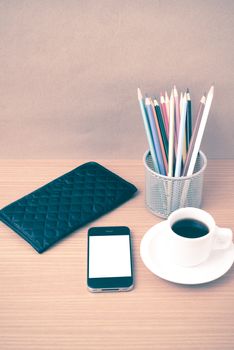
column 190, row 228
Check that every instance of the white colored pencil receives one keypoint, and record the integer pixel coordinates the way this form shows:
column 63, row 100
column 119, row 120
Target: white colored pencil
column 201, row 131
column 181, row 102
column 194, row 134
column 181, row 138
column 171, row 136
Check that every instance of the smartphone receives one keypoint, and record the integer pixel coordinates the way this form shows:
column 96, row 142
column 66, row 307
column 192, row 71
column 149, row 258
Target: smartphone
column 109, row 259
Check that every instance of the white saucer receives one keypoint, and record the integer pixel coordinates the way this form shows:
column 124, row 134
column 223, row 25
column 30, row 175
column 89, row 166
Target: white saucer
column 154, row 254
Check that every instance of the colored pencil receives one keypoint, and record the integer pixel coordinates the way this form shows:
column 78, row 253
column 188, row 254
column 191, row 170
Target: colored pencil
column 181, row 102
column 177, row 111
column 175, row 131
column 167, row 103
column 188, row 120
column 164, row 113
column 162, row 126
column 173, row 144
column 171, row 137
column 180, row 108
column 194, row 134
column 148, row 131
column 181, row 138
column 156, row 138
column 184, row 147
column 164, row 157
column 201, row 131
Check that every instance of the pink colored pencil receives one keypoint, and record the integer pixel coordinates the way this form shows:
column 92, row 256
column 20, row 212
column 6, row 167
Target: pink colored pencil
column 167, row 102
column 175, row 121
column 177, row 111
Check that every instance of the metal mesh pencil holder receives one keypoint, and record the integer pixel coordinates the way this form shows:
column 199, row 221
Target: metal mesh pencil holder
column 165, row 194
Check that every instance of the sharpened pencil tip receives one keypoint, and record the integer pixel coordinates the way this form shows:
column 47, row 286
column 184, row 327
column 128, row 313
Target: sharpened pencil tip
column 203, row 99
column 147, row 101
column 139, row 94
column 166, row 97
column 172, row 94
column 210, row 93
column 175, row 91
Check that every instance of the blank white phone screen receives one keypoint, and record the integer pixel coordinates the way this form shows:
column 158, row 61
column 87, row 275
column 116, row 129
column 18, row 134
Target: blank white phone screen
column 109, row 256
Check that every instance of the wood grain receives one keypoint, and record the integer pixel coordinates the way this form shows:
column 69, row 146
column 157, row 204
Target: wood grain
column 44, row 302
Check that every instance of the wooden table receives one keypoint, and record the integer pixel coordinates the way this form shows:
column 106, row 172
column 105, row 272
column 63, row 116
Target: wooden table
column 44, row 302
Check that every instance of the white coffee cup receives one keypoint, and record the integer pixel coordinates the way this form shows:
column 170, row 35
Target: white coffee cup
column 186, row 251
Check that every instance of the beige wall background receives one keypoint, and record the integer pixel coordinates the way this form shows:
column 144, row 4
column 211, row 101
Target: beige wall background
column 69, row 71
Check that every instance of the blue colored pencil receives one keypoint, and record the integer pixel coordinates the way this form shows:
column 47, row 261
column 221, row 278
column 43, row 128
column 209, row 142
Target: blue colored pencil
column 148, row 131
column 162, row 126
column 149, row 109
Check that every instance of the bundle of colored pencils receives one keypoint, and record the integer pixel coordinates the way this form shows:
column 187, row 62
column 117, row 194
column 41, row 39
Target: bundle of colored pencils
column 174, row 144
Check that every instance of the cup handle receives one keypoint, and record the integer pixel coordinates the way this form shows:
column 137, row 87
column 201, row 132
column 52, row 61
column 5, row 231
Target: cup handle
column 223, row 238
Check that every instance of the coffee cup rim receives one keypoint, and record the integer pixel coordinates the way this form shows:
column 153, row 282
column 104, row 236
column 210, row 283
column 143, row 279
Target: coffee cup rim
column 209, row 222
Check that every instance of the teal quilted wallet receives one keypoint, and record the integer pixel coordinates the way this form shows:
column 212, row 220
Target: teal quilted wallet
column 53, row 211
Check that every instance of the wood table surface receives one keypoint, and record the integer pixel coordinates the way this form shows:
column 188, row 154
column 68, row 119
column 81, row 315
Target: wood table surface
column 44, row 301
